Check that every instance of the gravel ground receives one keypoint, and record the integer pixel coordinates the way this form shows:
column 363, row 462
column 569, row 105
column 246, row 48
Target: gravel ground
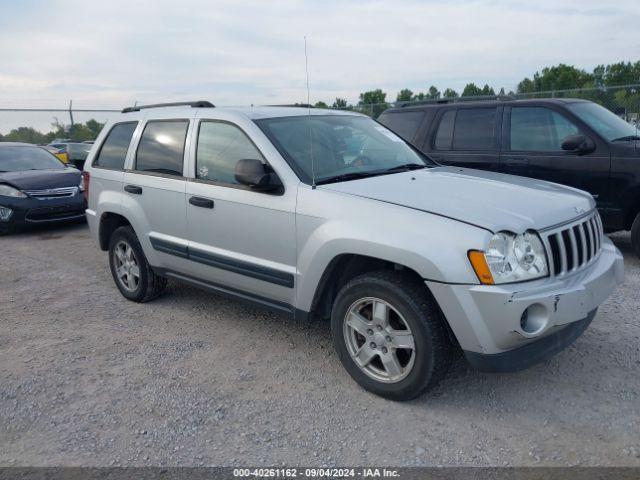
column 88, row 378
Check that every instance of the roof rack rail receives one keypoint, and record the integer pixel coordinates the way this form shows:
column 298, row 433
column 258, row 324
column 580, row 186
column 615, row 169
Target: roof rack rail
column 502, row 98
column 299, row 105
column 196, row 104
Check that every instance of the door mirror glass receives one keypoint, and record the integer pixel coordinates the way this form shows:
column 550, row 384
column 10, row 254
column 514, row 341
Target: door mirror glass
column 257, row 175
column 578, row 143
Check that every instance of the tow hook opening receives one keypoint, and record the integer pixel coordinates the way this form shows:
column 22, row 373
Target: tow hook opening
column 534, row 319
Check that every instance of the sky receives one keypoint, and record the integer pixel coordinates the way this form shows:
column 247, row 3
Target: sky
column 110, row 54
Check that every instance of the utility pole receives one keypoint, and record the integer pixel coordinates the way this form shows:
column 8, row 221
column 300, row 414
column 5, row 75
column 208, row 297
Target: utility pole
column 71, row 112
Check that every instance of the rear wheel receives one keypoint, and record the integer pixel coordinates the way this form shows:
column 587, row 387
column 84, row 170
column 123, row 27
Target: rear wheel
column 129, row 267
column 635, row 235
column 390, row 335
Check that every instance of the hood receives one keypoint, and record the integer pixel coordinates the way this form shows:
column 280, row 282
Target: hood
column 493, row 201
column 42, row 179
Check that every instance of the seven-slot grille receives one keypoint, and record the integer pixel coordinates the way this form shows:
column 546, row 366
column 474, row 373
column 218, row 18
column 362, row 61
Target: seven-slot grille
column 53, row 192
column 575, row 245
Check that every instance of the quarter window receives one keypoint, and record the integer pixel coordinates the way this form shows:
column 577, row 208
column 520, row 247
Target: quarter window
column 444, row 135
column 539, row 129
column 404, row 124
column 161, row 148
column 474, row 129
column 114, row 149
column 220, row 147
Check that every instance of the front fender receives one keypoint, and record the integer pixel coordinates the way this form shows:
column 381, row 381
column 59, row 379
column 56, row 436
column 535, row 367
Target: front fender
column 434, row 247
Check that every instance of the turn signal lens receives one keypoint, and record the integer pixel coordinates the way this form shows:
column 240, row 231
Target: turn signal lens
column 479, row 264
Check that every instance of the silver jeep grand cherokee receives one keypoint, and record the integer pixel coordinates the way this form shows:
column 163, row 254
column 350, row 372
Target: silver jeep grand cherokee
column 331, row 214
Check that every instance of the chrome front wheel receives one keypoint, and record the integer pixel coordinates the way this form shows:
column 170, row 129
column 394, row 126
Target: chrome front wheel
column 379, row 340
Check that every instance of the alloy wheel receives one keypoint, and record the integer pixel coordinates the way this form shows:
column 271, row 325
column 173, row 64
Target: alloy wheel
column 379, row 340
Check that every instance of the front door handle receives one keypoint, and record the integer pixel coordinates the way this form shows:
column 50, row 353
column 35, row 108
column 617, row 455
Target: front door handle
column 133, row 189
column 201, row 202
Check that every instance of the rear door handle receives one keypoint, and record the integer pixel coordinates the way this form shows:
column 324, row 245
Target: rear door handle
column 133, row 189
column 201, row 202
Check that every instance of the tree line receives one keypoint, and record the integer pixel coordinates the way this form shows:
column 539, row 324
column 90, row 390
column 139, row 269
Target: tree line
column 557, row 79
column 78, row 132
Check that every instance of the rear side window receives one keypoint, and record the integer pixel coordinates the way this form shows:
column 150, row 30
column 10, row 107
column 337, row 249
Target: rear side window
column 539, row 129
column 474, row 129
column 161, row 148
column 220, row 147
column 114, row 149
column 444, row 135
column 405, row 124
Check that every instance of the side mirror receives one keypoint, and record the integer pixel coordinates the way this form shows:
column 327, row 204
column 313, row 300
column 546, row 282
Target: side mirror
column 256, row 175
column 578, row 143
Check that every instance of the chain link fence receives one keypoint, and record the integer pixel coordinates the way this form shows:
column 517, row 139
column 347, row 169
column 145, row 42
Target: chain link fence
column 623, row 100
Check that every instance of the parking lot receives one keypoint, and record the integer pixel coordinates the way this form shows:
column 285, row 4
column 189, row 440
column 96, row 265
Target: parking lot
column 88, row 378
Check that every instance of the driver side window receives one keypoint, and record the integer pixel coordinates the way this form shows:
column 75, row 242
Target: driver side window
column 539, row 129
column 221, row 146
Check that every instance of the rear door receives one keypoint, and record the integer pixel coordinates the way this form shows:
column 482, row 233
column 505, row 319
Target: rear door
column 533, row 137
column 107, row 169
column 154, row 189
column 466, row 136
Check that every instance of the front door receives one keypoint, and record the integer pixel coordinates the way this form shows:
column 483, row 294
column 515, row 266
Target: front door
column 239, row 238
column 534, row 136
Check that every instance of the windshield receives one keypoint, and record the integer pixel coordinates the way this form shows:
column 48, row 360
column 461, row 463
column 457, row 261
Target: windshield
column 17, row 159
column 603, row 121
column 338, row 145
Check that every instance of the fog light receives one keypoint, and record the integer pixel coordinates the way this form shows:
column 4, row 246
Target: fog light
column 534, row 319
column 5, row 214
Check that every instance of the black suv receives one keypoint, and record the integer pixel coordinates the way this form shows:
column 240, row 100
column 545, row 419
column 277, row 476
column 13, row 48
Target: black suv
column 569, row 141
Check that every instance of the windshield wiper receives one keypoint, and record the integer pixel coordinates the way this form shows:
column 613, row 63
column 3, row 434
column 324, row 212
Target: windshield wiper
column 348, row 176
column 404, row 167
column 372, row 173
column 628, row 138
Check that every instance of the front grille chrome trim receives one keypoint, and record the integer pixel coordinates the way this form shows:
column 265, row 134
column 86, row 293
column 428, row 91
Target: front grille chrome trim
column 52, row 193
column 573, row 245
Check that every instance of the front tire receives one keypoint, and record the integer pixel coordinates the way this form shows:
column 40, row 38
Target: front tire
column 390, row 335
column 131, row 272
column 635, row 235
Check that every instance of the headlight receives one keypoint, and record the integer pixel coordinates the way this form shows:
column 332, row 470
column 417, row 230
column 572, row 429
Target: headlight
column 511, row 258
column 8, row 191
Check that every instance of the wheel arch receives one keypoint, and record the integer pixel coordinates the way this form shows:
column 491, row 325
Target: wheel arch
column 632, row 211
column 109, row 222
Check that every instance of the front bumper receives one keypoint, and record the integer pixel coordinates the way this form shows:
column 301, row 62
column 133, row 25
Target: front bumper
column 31, row 211
column 486, row 319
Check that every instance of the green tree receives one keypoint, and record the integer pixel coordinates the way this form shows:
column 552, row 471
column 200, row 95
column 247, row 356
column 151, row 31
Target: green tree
column 404, row 95
column 450, row 93
column 25, row 134
column 339, row 103
column 373, row 102
column 487, row 90
column 79, row 132
column 559, row 77
column 433, row 93
column 321, row 104
column 471, row 90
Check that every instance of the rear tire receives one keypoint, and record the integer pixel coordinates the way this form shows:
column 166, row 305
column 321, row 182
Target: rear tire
column 131, row 272
column 635, row 235
column 376, row 348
